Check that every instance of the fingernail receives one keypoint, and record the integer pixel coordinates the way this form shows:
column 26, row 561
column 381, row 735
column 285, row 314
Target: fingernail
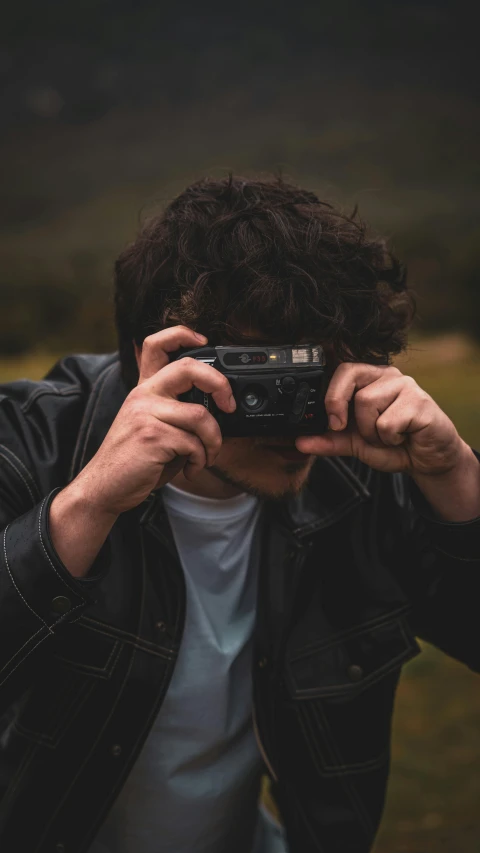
column 334, row 422
column 232, row 402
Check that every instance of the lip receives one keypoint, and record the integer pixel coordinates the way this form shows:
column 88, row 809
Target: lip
column 290, row 453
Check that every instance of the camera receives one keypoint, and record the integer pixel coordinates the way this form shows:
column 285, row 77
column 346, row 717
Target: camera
column 279, row 390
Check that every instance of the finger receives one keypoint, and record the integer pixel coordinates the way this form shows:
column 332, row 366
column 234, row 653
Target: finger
column 170, row 470
column 401, row 418
column 183, row 443
column 175, row 465
column 371, row 401
column 155, row 348
column 182, row 375
column 348, row 378
column 193, row 418
column 349, row 442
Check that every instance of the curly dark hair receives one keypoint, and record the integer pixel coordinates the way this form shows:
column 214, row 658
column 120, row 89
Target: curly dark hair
column 233, row 254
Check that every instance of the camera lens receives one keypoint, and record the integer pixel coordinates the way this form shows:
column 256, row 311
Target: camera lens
column 252, row 398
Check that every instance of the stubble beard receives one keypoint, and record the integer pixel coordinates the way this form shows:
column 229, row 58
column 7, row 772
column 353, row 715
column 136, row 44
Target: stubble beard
column 243, row 483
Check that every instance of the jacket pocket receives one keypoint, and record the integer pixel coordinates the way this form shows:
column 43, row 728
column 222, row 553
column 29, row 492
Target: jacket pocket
column 343, row 693
column 80, row 661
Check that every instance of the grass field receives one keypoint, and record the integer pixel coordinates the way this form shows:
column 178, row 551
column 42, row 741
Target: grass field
column 433, row 803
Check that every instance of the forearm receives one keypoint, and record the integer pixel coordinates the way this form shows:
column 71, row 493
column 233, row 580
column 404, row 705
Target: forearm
column 454, row 496
column 77, row 528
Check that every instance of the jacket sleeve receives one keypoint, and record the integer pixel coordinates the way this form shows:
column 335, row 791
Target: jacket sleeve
column 37, row 592
column 438, row 565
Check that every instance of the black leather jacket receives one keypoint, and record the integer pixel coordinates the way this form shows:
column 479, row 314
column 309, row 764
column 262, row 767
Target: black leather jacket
column 351, row 571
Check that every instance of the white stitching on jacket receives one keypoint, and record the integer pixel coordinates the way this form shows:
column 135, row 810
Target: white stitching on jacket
column 90, row 667
column 31, row 650
column 18, row 652
column 46, row 552
column 27, row 473
column 82, row 766
column 119, row 632
column 13, row 580
column 20, row 475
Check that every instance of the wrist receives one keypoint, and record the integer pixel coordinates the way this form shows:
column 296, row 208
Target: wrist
column 82, row 497
column 461, row 459
column 80, row 501
column 78, row 528
column 453, row 494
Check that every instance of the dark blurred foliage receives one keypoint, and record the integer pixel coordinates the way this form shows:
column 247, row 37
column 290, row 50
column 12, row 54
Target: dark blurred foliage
column 106, row 106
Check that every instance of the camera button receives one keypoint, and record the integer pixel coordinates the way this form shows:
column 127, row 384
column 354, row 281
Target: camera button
column 300, row 401
column 288, row 384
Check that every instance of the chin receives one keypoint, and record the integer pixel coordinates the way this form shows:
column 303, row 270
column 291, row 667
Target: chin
column 267, row 481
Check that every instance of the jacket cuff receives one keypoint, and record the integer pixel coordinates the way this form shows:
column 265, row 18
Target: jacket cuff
column 38, row 575
column 460, row 539
column 101, row 564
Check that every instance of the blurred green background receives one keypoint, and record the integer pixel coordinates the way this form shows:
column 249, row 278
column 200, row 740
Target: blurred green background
column 108, row 109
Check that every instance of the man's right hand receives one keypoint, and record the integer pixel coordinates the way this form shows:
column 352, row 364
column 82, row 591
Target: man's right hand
column 154, row 435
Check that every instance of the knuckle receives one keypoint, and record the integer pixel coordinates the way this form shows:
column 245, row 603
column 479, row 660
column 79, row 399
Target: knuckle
column 136, row 406
column 187, row 363
column 199, row 412
column 134, row 395
column 147, row 432
column 386, row 423
column 333, row 399
column 363, row 397
column 216, row 444
column 149, row 342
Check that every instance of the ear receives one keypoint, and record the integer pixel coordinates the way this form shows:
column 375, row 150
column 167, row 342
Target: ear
column 138, row 353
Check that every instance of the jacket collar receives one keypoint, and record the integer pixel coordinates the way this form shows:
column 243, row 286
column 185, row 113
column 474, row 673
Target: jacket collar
column 334, row 487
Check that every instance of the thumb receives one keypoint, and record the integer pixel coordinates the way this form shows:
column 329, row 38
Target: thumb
column 329, row 444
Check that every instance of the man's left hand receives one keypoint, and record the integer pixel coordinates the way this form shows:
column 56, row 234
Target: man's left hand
column 394, row 425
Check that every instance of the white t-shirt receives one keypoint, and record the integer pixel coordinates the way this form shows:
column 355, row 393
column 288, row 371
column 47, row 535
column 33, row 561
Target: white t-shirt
column 195, row 785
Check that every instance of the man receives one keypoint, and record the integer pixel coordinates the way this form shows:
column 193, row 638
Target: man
column 180, row 613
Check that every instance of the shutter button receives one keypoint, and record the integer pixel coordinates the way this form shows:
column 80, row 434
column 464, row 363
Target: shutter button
column 61, row 604
column 355, row 672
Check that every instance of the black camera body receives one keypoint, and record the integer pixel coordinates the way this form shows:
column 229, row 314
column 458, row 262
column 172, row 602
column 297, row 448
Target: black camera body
column 279, row 390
